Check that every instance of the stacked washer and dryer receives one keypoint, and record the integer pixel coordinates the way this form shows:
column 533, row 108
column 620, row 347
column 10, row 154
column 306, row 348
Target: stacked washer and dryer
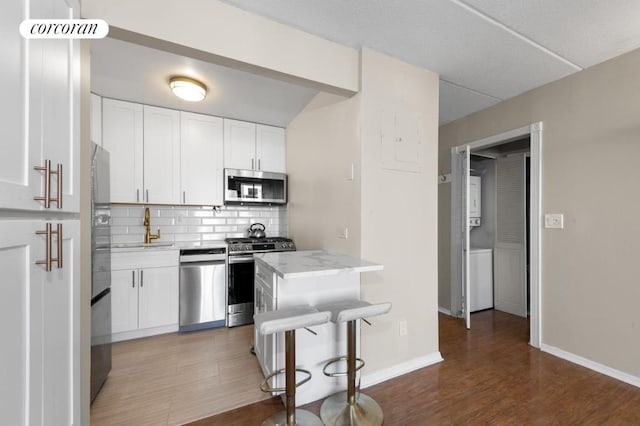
column 480, row 259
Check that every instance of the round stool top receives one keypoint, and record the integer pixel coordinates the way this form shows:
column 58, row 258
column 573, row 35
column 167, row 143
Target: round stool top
column 349, row 310
column 290, row 318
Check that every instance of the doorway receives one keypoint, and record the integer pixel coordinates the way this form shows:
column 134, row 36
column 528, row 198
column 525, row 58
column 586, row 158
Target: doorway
column 516, row 237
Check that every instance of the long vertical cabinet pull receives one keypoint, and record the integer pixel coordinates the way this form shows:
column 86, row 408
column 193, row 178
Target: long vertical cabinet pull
column 47, row 184
column 133, row 279
column 49, row 259
column 141, row 278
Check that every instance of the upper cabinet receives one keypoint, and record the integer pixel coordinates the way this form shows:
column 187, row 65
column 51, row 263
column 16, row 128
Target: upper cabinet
column 201, row 157
column 161, row 155
column 122, row 136
column 41, row 127
column 253, row 146
column 270, row 148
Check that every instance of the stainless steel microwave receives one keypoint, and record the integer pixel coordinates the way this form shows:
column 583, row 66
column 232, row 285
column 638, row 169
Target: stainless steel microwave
column 251, row 187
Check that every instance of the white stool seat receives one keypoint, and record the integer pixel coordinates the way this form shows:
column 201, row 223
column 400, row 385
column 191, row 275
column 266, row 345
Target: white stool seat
column 350, row 310
column 287, row 319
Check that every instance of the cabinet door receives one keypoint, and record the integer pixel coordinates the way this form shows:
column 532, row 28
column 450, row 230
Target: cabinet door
column 124, row 300
column 96, row 119
column 158, row 297
column 270, row 149
column 201, row 157
column 161, row 155
column 39, row 109
column 122, row 137
column 269, row 344
column 38, row 320
column 239, row 145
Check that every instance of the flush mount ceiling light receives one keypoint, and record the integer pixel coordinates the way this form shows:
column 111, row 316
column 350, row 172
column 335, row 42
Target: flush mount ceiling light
column 188, row 89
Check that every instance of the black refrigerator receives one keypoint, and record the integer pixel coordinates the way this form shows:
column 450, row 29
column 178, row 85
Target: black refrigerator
column 100, row 270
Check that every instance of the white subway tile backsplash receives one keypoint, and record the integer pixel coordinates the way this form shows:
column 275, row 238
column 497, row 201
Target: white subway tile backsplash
column 195, row 224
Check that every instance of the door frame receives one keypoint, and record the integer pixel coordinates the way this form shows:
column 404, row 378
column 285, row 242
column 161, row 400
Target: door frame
column 534, row 131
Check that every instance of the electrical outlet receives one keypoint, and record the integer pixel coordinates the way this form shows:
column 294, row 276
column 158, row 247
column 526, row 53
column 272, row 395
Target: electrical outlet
column 402, row 328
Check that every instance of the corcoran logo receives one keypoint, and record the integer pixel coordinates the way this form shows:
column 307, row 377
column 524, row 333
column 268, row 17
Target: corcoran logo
column 64, row 28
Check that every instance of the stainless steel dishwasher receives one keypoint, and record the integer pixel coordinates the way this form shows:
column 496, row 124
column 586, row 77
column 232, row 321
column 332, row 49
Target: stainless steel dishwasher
column 203, row 289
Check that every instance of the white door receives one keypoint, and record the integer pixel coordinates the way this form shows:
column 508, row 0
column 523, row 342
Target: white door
column 39, row 321
column 460, row 250
column 510, row 248
column 124, row 300
column 122, row 134
column 201, row 157
column 239, row 145
column 158, row 297
column 161, row 155
column 270, row 149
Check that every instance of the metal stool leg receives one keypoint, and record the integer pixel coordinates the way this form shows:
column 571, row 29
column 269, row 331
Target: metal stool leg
column 347, row 408
column 292, row 416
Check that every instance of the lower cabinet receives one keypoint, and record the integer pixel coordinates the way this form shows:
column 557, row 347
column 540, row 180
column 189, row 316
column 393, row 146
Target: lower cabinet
column 144, row 298
column 264, row 346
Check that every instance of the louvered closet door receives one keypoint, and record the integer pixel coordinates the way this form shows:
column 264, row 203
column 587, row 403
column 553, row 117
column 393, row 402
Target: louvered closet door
column 510, row 285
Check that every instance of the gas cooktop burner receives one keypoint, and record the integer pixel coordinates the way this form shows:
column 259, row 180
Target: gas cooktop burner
column 259, row 245
column 258, row 240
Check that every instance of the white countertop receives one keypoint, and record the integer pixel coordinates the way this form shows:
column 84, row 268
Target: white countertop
column 313, row 263
column 119, row 247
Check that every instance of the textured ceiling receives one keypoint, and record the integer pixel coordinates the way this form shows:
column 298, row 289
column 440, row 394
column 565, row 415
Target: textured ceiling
column 484, row 50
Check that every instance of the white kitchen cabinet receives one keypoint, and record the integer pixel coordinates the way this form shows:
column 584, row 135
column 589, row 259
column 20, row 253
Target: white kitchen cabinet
column 253, row 146
column 40, row 111
column 96, row 119
column 40, row 329
column 239, row 145
column 264, row 345
column 124, row 300
column 144, row 286
column 270, row 148
column 201, row 157
column 161, row 155
column 122, row 136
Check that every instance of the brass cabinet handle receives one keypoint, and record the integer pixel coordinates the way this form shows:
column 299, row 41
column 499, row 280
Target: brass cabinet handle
column 49, row 259
column 47, row 183
column 146, row 191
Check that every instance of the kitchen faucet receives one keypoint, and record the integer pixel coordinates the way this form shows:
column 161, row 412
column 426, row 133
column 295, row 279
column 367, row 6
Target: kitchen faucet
column 148, row 236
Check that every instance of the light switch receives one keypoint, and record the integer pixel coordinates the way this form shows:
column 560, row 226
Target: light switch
column 554, row 220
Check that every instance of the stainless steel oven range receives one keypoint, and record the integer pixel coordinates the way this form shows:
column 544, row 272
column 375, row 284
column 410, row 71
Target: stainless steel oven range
column 241, row 270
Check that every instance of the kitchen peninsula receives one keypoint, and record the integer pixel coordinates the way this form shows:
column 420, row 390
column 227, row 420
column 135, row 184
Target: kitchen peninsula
column 310, row 277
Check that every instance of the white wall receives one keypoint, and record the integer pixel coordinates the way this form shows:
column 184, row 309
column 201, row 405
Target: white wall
column 399, row 209
column 217, row 32
column 590, row 150
column 322, row 145
column 390, row 213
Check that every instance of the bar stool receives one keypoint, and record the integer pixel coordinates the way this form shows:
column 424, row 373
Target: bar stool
column 347, row 408
column 288, row 320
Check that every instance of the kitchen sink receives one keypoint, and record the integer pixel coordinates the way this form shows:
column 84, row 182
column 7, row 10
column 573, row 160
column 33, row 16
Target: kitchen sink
column 141, row 245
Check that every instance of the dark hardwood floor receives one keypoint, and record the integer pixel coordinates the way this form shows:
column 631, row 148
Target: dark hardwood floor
column 490, row 375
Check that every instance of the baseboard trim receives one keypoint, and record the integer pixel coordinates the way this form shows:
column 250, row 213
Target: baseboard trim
column 400, row 369
column 444, row 311
column 592, row 365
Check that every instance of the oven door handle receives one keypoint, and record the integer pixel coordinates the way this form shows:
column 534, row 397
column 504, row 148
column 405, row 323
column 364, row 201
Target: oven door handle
column 240, row 259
